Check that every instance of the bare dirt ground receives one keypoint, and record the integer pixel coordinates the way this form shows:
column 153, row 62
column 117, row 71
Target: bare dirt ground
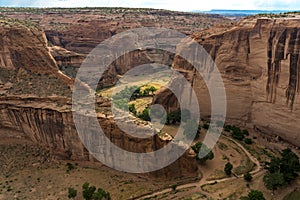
column 216, row 185
column 29, row 172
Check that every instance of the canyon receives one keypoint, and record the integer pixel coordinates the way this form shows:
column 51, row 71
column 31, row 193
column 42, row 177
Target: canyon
column 42, row 49
column 36, row 101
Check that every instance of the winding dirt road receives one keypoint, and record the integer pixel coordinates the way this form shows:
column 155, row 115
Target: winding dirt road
column 255, row 172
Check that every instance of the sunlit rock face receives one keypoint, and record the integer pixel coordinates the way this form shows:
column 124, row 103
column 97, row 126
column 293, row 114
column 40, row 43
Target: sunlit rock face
column 259, row 62
column 35, row 100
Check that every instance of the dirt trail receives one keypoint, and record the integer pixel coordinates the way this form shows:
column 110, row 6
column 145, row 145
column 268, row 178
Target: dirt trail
column 255, row 172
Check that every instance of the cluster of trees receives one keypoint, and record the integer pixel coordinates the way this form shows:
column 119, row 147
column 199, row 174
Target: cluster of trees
column 281, row 171
column 122, row 98
column 148, row 91
column 90, row 193
column 197, row 147
column 238, row 134
column 132, row 109
column 178, row 115
column 172, row 117
column 145, row 114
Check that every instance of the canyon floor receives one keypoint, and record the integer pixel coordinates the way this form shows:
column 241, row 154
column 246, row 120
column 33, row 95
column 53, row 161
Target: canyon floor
column 41, row 155
column 29, row 172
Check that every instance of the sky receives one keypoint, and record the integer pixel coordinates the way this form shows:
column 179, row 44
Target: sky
column 179, row 5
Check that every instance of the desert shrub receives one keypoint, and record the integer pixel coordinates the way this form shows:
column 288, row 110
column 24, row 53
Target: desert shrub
column 246, row 132
column 248, row 141
column 72, row 193
column 228, row 168
column 248, row 177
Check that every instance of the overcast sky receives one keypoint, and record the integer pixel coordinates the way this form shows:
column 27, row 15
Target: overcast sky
column 180, row 5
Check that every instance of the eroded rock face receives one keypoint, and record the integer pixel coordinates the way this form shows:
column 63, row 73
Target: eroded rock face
column 79, row 31
column 55, row 129
column 67, row 61
column 35, row 100
column 259, row 63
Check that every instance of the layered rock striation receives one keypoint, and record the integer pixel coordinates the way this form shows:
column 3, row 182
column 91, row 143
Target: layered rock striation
column 35, row 100
column 259, row 63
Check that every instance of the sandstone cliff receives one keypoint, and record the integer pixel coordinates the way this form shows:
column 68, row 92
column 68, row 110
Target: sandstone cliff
column 259, row 62
column 78, row 31
column 35, row 100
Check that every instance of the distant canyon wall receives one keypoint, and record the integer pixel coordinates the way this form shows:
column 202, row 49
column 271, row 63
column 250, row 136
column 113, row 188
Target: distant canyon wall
column 259, row 63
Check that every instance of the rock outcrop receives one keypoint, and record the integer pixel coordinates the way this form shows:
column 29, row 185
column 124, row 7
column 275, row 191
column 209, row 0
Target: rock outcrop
column 259, row 63
column 35, row 100
column 80, row 30
column 67, row 61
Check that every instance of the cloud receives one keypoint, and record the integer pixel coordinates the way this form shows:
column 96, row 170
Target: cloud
column 182, row 5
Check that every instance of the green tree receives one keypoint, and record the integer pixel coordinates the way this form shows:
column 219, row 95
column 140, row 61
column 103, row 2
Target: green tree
column 248, row 141
column 174, row 117
column 88, row 191
column 72, row 193
column 70, row 167
column 206, row 126
column 136, row 93
column 101, row 194
column 200, row 149
column 289, row 165
column 145, row 115
column 246, row 132
column 152, row 89
column 146, row 92
column 248, row 177
column 132, row 109
column 237, row 133
column 254, row 195
column 273, row 181
column 282, row 171
column 227, row 169
column 227, row 128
